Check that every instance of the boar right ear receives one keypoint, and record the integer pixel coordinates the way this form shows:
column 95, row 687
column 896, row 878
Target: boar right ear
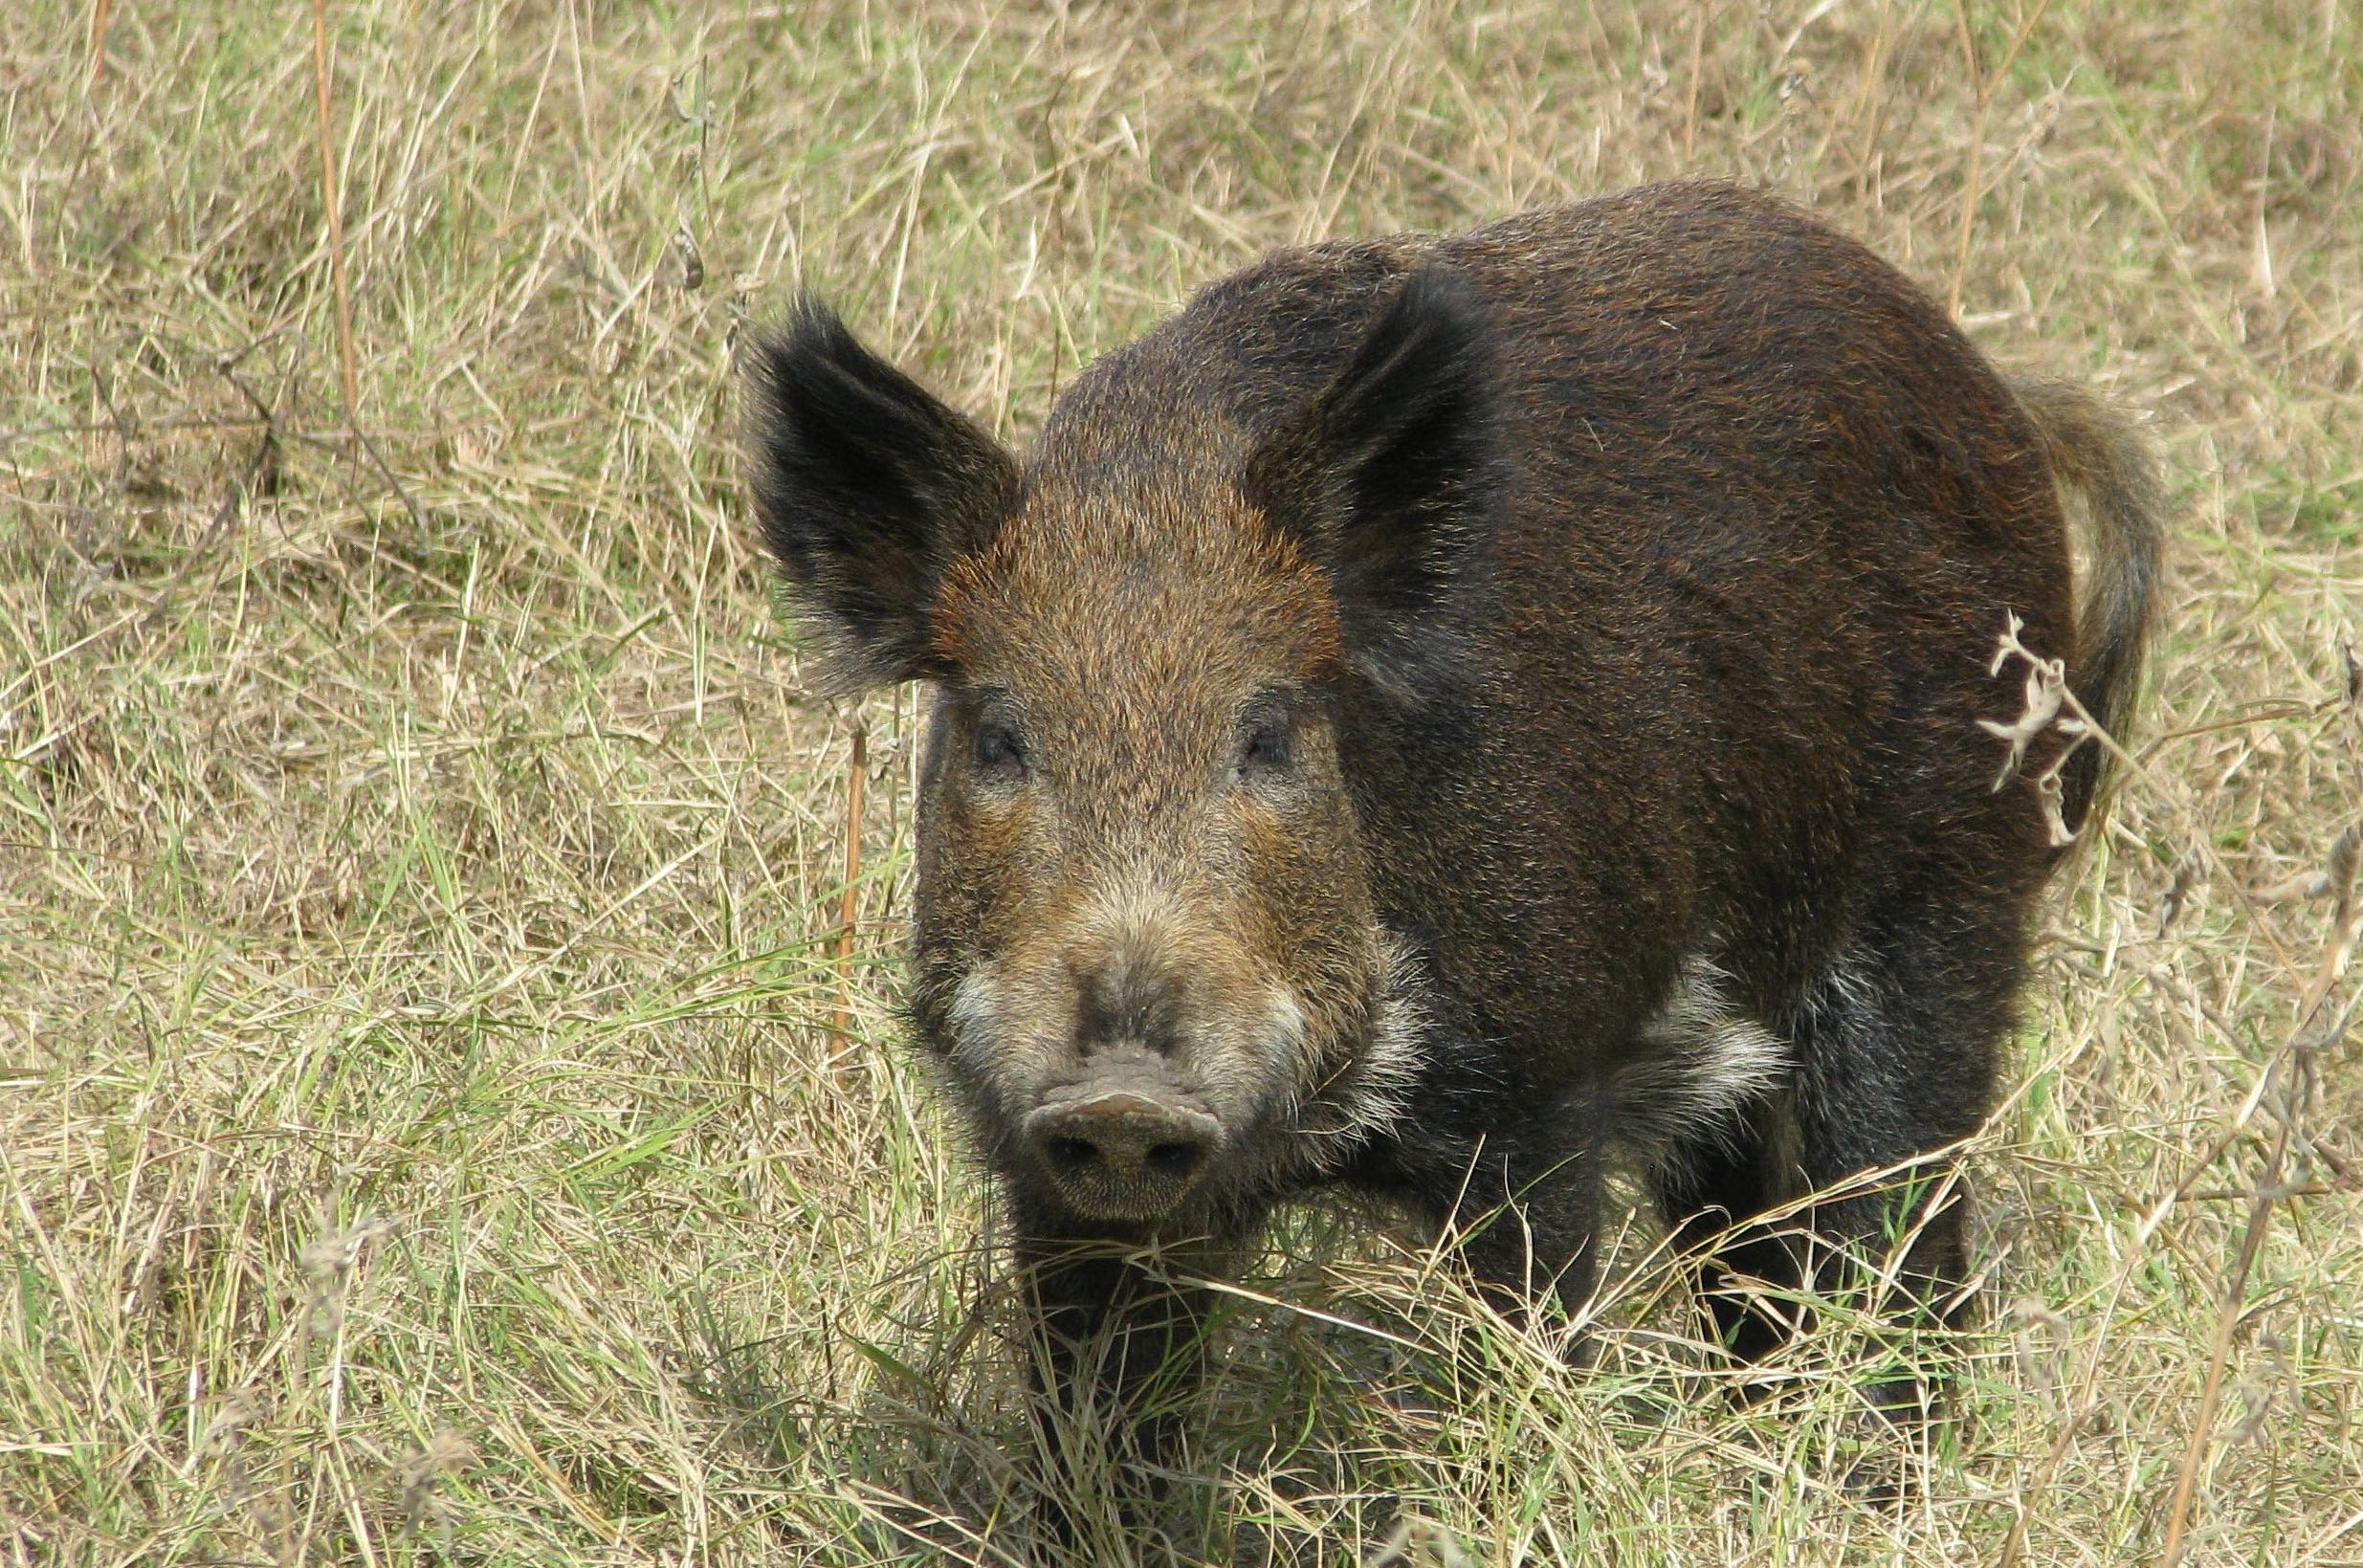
column 1389, row 477
column 868, row 490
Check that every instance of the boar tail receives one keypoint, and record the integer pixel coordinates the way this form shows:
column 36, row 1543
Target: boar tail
column 2107, row 478
column 2111, row 485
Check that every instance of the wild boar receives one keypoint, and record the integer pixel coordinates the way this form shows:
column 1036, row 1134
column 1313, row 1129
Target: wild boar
column 1440, row 712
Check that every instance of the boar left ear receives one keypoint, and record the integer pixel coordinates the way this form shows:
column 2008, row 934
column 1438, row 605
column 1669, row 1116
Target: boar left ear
column 1389, row 477
column 868, row 490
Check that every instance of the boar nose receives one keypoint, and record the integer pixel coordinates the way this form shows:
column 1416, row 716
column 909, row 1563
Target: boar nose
column 1122, row 1151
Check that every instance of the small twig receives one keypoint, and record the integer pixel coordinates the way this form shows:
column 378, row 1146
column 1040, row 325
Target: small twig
column 2049, row 706
column 257, row 478
column 260, row 477
column 856, row 776
column 360, row 501
column 2270, row 1188
column 2338, row 882
column 39, row 847
column 125, row 433
column 93, row 427
column 377, row 460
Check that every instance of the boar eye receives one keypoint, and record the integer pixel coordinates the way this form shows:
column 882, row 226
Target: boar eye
column 1267, row 747
column 998, row 751
column 1268, row 744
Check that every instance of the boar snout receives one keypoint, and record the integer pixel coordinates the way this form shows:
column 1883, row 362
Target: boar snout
column 1126, row 1149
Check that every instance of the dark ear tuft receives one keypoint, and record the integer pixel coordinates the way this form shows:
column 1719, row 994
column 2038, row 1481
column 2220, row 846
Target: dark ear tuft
column 868, row 489
column 1390, row 476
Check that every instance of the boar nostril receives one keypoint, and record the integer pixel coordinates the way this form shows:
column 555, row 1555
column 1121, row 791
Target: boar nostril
column 1071, row 1153
column 1176, row 1160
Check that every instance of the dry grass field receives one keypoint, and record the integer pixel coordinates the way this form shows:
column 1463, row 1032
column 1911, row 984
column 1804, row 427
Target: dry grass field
column 421, row 865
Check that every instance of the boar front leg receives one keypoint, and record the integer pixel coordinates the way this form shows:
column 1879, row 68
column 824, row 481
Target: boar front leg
column 1118, row 1352
column 1526, row 1213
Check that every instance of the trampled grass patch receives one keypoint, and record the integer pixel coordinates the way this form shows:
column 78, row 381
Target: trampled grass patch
column 421, row 859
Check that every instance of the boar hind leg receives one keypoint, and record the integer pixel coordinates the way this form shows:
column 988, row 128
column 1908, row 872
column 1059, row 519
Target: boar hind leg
column 1896, row 1048
column 1709, row 1191
column 1893, row 1064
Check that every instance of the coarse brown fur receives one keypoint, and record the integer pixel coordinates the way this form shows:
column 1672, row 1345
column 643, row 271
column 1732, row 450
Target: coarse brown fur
column 1440, row 707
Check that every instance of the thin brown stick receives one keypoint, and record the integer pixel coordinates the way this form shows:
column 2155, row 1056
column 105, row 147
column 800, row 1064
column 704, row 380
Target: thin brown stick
column 856, row 776
column 1698, row 56
column 1989, row 85
column 1870, row 107
column 330, row 200
column 102, row 13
